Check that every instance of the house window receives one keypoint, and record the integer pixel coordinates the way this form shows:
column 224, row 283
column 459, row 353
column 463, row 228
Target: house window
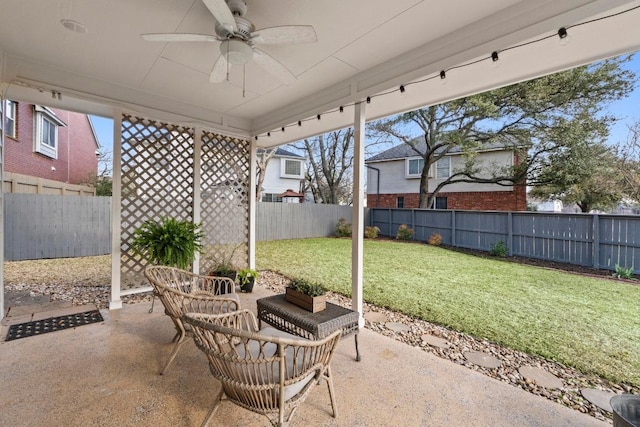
column 47, row 132
column 400, row 202
column 441, row 203
column 271, row 197
column 291, row 168
column 443, row 167
column 10, row 119
column 414, row 167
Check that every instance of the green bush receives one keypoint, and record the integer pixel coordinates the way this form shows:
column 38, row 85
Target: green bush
column 307, row 287
column 169, row 242
column 371, row 232
column 343, row 228
column 404, row 232
column 499, row 249
column 623, row 273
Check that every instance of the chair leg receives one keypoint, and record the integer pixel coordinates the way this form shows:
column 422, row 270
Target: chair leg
column 174, row 352
column 332, row 396
column 212, row 411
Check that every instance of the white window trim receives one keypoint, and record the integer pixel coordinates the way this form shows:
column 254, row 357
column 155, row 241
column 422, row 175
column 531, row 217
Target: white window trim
column 406, row 168
column 283, row 174
column 448, row 172
column 40, row 114
column 3, row 118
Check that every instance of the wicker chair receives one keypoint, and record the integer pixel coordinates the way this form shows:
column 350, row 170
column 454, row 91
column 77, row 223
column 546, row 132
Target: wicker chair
column 269, row 372
column 182, row 291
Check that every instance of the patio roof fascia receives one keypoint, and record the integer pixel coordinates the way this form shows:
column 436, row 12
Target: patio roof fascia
column 507, row 28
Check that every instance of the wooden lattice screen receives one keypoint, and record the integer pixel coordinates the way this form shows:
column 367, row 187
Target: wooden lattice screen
column 225, row 200
column 158, row 181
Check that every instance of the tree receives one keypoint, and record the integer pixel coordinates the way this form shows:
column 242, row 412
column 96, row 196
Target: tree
column 102, row 180
column 629, row 163
column 264, row 155
column 585, row 174
column 535, row 119
column 330, row 158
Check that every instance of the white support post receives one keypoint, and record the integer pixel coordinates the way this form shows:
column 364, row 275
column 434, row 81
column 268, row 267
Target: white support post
column 116, row 208
column 357, row 219
column 197, row 187
column 2, row 120
column 253, row 157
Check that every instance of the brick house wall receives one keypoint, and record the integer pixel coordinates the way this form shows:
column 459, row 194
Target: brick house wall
column 514, row 200
column 76, row 158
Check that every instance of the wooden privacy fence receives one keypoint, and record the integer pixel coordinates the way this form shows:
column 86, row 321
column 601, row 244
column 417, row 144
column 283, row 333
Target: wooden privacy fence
column 277, row 221
column 599, row 241
column 52, row 226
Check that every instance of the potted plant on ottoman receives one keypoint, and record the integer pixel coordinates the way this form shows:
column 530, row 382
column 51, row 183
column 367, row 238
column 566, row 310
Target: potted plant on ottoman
column 169, row 242
column 246, row 278
column 308, row 295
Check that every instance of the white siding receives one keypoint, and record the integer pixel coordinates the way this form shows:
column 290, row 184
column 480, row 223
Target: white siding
column 273, row 183
column 393, row 180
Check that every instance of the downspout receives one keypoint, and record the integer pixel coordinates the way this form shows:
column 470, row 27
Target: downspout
column 377, row 184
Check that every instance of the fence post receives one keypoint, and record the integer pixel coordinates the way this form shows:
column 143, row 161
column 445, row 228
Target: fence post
column 453, row 227
column 390, row 221
column 596, row 240
column 413, row 223
column 510, row 233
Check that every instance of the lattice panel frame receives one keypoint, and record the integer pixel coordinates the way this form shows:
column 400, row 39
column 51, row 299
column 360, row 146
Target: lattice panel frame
column 157, row 181
column 224, row 205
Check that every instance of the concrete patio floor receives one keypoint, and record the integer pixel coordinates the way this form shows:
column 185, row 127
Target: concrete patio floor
column 106, row 374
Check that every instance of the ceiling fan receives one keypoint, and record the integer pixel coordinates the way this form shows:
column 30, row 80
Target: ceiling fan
column 238, row 38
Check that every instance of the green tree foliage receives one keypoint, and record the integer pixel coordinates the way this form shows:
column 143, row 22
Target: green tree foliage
column 586, row 174
column 535, row 119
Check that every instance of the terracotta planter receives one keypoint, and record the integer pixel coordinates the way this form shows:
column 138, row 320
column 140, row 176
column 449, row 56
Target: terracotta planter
column 312, row 304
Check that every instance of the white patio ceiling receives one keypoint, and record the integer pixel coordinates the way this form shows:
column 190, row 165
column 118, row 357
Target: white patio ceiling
column 364, row 47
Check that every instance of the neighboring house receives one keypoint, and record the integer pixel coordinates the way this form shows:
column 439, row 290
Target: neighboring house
column 398, row 170
column 49, row 143
column 284, row 174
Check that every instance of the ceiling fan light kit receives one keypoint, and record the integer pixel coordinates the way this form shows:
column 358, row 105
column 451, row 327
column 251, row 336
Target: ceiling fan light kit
column 236, row 52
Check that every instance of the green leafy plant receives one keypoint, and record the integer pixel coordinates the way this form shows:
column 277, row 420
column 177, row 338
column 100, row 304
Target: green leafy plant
column 371, row 232
column 623, row 273
column 404, row 232
column 499, row 249
column 343, row 228
column 223, row 261
column 246, row 274
column 169, row 242
column 306, row 287
column 435, row 239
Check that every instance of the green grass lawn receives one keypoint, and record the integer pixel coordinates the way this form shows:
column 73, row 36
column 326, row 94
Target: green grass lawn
column 589, row 323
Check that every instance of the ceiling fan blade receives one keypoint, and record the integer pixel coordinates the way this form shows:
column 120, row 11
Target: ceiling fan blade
column 221, row 12
column 273, row 67
column 170, row 37
column 219, row 71
column 286, row 34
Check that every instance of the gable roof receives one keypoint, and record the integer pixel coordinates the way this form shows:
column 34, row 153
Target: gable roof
column 403, row 151
column 281, row 152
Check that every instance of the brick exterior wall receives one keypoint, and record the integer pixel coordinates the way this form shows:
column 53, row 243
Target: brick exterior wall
column 514, row 200
column 76, row 148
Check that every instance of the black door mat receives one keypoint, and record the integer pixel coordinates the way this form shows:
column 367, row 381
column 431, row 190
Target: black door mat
column 39, row 327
